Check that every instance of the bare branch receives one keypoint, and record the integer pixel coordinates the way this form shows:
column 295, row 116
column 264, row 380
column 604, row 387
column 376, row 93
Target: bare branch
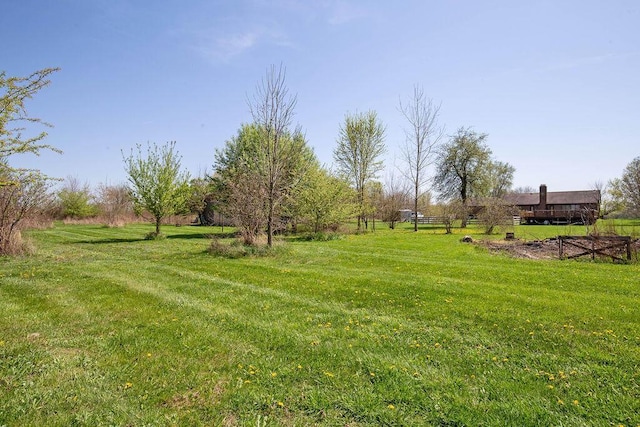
column 422, row 137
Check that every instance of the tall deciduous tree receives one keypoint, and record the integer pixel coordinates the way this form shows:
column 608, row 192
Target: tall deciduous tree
column 156, row 183
column 626, row 189
column 357, row 156
column 465, row 169
column 282, row 156
column 422, row 137
column 22, row 192
column 461, row 167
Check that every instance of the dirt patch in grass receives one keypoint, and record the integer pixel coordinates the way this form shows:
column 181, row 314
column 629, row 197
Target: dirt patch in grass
column 539, row 249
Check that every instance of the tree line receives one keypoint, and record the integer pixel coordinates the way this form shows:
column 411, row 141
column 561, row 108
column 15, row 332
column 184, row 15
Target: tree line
column 267, row 179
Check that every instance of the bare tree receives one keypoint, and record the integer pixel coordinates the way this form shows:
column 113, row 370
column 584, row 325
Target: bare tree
column 282, row 157
column 115, row 203
column 360, row 145
column 450, row 212
column 23, row 195
column 525, row 189
column 245, row 205
column 422, row 138
column 395, row 196
column 495, row 213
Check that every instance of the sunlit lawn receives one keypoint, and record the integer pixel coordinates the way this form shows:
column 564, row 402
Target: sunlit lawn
column 101, row 327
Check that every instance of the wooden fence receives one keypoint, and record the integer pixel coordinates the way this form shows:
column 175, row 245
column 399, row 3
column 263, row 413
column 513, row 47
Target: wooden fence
column 440, row 220
column 615, row 247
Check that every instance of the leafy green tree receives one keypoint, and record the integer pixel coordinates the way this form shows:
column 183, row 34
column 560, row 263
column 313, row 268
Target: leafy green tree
column 626, row 189
column 499, row 179
column 156, row 183
column 14, row 92
column 465, row 169
column 613, row 198
column 23, row 193
column 76, row 200
column 357, row 155
column 324, row 201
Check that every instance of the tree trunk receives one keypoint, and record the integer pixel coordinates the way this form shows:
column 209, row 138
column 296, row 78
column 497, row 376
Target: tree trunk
column 270, row 224
column 158, row 221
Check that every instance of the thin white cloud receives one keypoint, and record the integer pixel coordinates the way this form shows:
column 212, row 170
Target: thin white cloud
column 222, row 49
column 236, row 44
column 342, row 12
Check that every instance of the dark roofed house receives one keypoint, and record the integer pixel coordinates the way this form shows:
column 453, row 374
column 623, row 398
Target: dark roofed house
column 560, row 207
column 556, row 207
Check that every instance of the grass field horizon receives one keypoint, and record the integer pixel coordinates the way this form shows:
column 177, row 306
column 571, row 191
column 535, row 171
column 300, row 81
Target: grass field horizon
column 102, row 327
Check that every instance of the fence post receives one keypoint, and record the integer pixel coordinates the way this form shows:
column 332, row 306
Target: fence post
column 560, row 247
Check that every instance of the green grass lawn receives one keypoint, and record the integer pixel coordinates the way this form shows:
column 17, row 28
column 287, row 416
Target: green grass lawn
column 101, row 327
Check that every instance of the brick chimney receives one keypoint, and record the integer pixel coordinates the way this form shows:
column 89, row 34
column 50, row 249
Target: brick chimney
column 543, row 198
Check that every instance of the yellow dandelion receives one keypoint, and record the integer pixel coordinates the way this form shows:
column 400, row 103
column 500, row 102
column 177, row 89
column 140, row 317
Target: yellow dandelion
column 148, row 354
column 273, row 374
column 299, row 366
column 575, row 403
column 550, row 387
column 329, row 374
column 560, row 402
column 372, row 374
column 281, row 404
column 390, row 406
column 127, row 385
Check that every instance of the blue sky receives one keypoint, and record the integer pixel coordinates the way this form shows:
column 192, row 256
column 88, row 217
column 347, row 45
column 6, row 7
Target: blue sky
column 555, row 84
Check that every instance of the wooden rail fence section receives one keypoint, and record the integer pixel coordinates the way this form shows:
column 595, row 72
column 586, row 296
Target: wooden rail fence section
column 613, row 247
column 440, row 220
